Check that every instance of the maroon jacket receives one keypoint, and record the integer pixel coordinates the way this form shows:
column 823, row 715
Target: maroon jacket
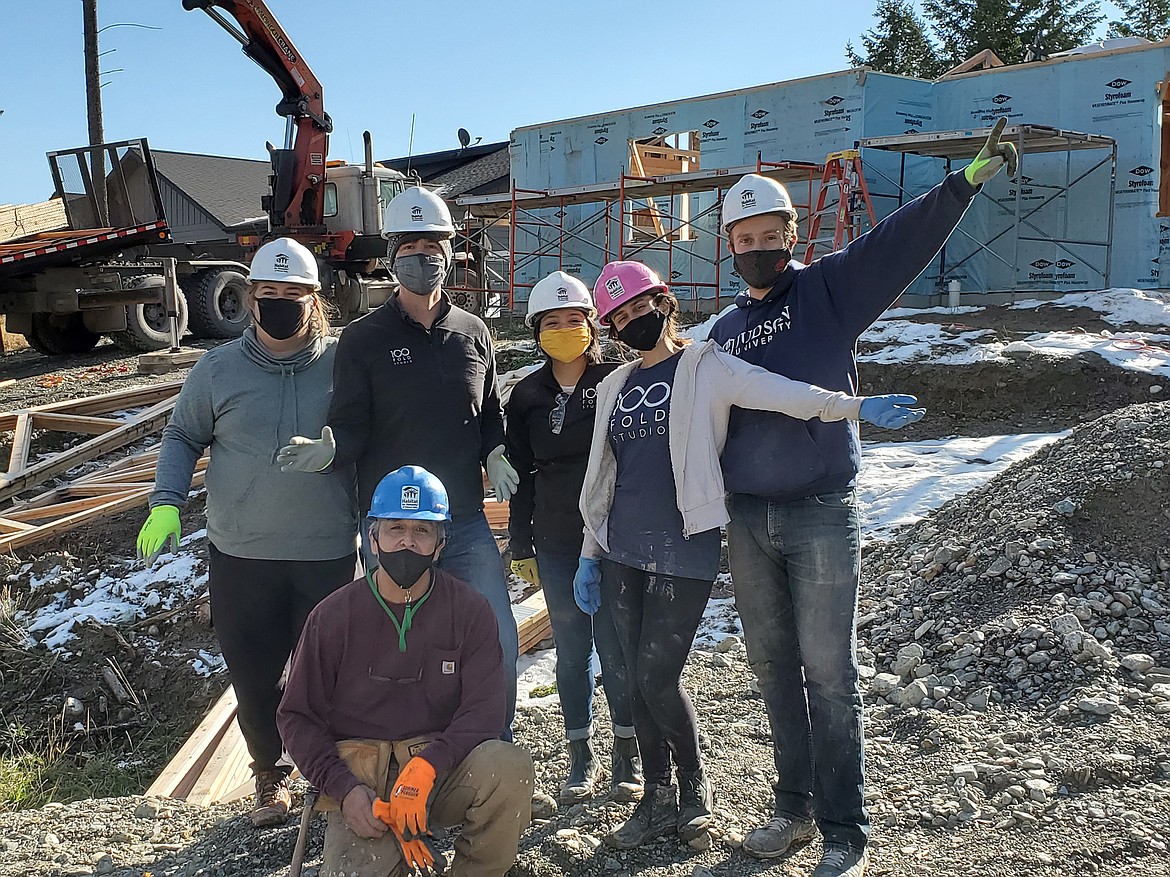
column 349, row 679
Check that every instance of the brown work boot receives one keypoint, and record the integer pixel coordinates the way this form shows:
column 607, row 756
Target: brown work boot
column 272, row 799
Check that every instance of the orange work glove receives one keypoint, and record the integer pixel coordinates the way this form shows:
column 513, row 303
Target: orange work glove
column 408, row 798
column 416, row 853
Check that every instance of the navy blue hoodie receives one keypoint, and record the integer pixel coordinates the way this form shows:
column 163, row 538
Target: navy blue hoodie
column 806, row 328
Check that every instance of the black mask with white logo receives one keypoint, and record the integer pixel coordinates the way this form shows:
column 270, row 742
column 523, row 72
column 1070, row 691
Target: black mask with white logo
column 760, row 269
column 642, row 333
column 281, row 318
column 405, row 566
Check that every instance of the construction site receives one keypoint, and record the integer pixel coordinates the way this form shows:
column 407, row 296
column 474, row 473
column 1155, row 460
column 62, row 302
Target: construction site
column 1013, row 620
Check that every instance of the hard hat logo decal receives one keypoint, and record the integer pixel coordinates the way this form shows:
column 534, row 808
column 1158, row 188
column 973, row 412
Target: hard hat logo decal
column 747, row 198
column 280, row 263
column 562, row 294
column 614, row 287
column 416, row 214
column 409, row 498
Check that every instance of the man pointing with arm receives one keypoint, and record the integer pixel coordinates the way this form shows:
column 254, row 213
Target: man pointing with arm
column 794, row 540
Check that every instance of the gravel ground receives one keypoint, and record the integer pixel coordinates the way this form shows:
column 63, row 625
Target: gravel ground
column 1014, row 647
column 1017, row 705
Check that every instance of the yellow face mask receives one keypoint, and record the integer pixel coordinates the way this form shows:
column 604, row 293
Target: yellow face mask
column 565, row 345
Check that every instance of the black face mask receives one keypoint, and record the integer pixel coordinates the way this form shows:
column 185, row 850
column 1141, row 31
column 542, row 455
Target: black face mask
column 760, row 269
column 281, row 318
column 404, row 566
column 642, row 333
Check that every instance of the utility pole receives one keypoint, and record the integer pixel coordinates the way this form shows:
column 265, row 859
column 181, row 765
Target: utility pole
column 93, row 100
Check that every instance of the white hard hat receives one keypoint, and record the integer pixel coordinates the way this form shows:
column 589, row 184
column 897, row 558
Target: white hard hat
column 558, row 290
column 285, row 260
column 754, row 195
column 416, row 209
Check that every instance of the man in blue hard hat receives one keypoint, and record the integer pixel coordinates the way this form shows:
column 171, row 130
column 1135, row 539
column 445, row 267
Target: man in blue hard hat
column 395, row 701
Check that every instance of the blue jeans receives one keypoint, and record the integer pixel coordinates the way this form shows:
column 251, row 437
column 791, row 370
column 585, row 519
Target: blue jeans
column 796, row 567
column 576, row 633
column 471, row 554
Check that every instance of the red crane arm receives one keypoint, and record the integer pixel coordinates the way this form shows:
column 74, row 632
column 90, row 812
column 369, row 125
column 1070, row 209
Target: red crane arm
column 298, row 180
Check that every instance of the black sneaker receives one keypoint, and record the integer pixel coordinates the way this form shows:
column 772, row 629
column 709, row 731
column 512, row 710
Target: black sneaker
column 839, row 860
column 654, row 817
column 695, row 800
column 779, row 837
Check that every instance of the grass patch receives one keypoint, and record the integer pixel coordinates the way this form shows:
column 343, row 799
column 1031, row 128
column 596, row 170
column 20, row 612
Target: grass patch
column 543, row 690
column 52, row 765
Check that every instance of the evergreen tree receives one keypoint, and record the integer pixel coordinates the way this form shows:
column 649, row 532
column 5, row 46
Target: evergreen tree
column 1142, row 18
column 1010, row 27
column 898, row 44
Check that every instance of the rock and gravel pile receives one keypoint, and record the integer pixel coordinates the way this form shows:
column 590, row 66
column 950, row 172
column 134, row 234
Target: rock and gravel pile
column 1016, row 674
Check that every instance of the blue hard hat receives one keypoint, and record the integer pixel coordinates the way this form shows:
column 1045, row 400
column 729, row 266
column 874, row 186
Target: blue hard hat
column 410, row 493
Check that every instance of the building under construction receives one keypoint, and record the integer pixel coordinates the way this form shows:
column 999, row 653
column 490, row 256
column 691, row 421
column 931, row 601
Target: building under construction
column 646, row 182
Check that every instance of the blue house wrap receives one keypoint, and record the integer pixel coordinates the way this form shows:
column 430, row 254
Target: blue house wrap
column 1115, row 94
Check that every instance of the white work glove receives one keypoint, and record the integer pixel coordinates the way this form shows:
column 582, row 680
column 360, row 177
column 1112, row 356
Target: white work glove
column 501, row 474
column 308, row 455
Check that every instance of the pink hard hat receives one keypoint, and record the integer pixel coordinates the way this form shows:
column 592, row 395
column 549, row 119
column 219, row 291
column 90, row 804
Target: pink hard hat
column 621, row 281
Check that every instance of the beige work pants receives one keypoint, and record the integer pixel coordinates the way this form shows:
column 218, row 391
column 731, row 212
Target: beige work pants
column 489, row 794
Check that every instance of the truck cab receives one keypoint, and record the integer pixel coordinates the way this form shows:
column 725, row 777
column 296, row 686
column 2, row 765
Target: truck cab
column 345, row 188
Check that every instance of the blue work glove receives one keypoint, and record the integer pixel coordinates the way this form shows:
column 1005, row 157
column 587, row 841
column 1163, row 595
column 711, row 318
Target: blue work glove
column 587, row 585
column 891, row 412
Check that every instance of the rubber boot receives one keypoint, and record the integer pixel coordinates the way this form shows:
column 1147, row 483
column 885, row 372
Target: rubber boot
column 695, row 801
column 583, row 772
column 626, row 785
column 654, row 817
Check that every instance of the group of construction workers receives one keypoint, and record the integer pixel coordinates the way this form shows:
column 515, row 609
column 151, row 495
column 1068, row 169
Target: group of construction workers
column 387, row 675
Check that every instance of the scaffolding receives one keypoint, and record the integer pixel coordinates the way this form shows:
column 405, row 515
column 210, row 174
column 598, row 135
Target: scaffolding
column 616, row 206
column 1029, row 140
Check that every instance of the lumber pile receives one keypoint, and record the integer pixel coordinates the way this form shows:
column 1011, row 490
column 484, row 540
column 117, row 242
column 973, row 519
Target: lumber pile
column 23, row 220
column 117, row 487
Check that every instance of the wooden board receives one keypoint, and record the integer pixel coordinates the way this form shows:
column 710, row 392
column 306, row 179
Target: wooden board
column 176, row 779
column 148, row 422
column 162, row 361
column 105, row 403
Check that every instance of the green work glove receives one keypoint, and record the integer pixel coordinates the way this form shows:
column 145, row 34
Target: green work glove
column 161, row 527
column 527, row 570
column 501, row 474
column 993, row 156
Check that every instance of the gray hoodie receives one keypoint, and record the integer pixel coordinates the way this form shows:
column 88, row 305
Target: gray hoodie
column 244, row 404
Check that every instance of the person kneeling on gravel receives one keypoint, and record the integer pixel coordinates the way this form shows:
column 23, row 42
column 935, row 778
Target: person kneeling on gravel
column 278, row 541
column 395, row 701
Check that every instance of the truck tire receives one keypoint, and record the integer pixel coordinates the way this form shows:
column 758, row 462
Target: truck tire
column 60, row 335
column 149, row 328
column 216, row 300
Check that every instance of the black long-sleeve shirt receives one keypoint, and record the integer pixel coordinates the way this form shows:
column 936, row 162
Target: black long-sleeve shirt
column 406, row 395
column 544, row 510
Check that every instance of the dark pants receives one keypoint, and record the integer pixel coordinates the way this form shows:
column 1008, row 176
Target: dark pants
column 258, row 608
column 796, row 567
column 471, row 554
column 576, row 633
column 656, row 617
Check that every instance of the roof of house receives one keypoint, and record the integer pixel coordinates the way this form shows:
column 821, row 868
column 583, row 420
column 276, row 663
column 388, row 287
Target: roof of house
column 228, row 188
column 431, row 165
column 475, row 177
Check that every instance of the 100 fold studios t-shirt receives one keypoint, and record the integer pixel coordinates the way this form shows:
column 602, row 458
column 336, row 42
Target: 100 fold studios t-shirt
column 645, row 525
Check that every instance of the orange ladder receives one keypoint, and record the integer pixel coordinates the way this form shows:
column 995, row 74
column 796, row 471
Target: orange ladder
column 843, row 175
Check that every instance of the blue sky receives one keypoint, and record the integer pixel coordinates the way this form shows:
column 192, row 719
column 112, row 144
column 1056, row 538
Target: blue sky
column 486, row 66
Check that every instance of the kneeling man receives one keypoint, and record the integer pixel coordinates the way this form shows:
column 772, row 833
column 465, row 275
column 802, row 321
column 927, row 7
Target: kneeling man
column 395, row 701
